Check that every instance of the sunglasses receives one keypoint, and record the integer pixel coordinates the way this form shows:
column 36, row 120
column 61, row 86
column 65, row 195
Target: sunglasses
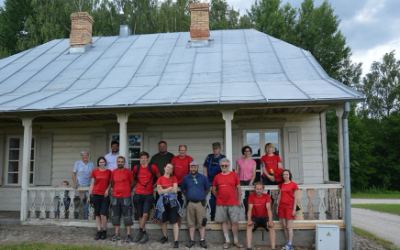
column 195, row 181
column 224, row 165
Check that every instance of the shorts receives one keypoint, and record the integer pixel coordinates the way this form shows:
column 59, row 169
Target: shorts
column 123, row 205
column 285, row 211
column 143, row 202
column 267, row 181
column 195, row 213
column 100, row 203
column 171, row 213
column 224, row 213
column 260, row 222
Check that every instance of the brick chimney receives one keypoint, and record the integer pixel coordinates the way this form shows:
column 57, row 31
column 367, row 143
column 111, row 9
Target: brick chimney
column 199, row 27
column 81, row 31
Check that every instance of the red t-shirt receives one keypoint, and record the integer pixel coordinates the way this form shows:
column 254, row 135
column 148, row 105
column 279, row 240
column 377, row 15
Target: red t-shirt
column 144, row 176
column 121, row 179
column 101, row 180
column 271, row 164
column 165, row 182
column 259, row 205
column 226, row 186
column 181, row 166
column 287, row 191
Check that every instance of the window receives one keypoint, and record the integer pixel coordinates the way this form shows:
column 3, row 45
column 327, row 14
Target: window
column 14, row 161
column 257, row 139
column 134, row 148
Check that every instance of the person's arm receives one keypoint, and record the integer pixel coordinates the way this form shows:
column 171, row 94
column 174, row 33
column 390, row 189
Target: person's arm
column 280, row 165
column 270, row 223
column 214, row 191
column 74, row 180
column 90, row 189
column 295, row 202
column 207, row 191
column 155, row 184
column 174, row 188
column 108, row 189
column 249, row 212
column 161, row 190
column 253, row 176
column 239, row 193
column 277, row 202
column 237, row 168
column 131, row 183
column 205, row 171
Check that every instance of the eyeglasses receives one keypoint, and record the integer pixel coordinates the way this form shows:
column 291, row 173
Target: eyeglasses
column 224, row 165
column 247, row 151
column 195, row 181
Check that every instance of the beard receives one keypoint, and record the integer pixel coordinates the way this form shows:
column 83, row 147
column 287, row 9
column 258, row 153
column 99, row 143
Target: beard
column 120, row 166
column 194, row 172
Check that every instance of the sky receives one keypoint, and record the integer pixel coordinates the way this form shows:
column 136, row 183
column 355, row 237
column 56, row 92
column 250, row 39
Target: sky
column 370, row 26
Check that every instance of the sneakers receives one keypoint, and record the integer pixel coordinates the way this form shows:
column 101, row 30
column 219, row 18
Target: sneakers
column 176, row 244
column 288, row 247
column 103, row 235
column 98, row 235
column 163, row 240
column 203, row 244
column 138, row 236
column 128, row 238
column 190, row 244
column 145, row 238
column 115, row 237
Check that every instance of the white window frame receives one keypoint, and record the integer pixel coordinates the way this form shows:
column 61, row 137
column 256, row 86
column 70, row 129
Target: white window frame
column 140, row 148
column 20, row 160
column 263, row 142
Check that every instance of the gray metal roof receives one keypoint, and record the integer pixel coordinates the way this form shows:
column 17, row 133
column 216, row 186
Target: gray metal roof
column 240, row 66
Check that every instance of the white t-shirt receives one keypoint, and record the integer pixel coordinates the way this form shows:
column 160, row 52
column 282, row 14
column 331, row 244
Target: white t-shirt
column 111, row 161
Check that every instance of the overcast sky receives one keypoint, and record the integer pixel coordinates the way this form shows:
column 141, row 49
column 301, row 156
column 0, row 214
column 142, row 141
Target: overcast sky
column 370, row 26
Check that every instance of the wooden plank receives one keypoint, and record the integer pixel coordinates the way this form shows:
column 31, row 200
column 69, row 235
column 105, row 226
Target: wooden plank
column 313, row 165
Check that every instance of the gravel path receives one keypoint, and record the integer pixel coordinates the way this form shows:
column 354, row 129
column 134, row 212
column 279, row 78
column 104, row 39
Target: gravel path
column 384, row 225
column 359, row 201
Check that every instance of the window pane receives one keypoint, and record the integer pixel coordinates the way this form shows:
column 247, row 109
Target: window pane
column 271, row 137
column 12, row 178
column 134, row 140
column 32, row 165
column 256, row 150
column 14, row 154
column 134, row 152
column 13, row 166
column 133, row 163
column 14, row 142
column 33, row 143
column 32, row 154
column 115, row 138
column 31, row 179
column 253, row 138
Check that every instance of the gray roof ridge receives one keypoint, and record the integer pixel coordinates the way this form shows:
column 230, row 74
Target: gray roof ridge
column 26, row 65
column 251, row 66
column 284, row 71
column 133, row 74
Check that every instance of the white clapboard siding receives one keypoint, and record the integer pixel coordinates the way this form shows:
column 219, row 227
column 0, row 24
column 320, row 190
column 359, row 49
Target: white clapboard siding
column 10, row 199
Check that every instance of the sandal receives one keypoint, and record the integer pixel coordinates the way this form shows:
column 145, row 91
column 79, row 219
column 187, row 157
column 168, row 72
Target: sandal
column 238, row 244
column 226, row 245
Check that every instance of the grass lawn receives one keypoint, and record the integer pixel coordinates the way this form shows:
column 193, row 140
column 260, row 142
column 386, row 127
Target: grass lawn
column 383, row 207
column 391, row 195
column 48, row 246
column 385, row 243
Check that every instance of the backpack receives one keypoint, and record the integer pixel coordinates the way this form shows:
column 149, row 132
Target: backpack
column 137, row 173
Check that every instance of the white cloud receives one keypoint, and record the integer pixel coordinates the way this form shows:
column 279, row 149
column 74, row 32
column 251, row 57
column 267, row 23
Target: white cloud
column 367, row 57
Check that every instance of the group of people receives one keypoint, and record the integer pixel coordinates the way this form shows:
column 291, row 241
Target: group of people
column 166, row 172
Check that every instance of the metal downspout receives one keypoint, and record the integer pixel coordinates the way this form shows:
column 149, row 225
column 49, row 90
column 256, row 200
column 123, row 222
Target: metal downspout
column 347, row 186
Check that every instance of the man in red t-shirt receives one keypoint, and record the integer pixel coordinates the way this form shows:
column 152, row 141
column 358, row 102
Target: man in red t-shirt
column 226, row 187
column 260, row 214
column 122, row 184
column 143, row 197
column 181, row 167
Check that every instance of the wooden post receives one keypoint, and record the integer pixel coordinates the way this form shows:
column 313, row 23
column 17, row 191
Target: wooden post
column 26, row 160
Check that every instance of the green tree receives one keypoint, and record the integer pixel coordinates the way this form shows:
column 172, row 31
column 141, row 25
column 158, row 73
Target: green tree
column 380, row 87
column 218, row 15
column 245, row 22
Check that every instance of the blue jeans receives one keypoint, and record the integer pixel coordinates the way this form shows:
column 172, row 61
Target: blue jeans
column 66, row 206
column 213, row 203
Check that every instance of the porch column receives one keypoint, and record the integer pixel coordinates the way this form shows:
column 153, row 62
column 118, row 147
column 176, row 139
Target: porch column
column 26, row 158
column 339, row 114
column 347, row 186
column 123, row 135
column 227, row 115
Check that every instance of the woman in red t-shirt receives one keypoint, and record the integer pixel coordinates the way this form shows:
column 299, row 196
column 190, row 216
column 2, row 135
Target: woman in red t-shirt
column 286, row 208
column 271, row 165
column 168, row 183
column 98, row 196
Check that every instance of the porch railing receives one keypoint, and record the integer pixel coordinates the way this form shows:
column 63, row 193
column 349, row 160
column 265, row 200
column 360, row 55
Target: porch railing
column 317, row 202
